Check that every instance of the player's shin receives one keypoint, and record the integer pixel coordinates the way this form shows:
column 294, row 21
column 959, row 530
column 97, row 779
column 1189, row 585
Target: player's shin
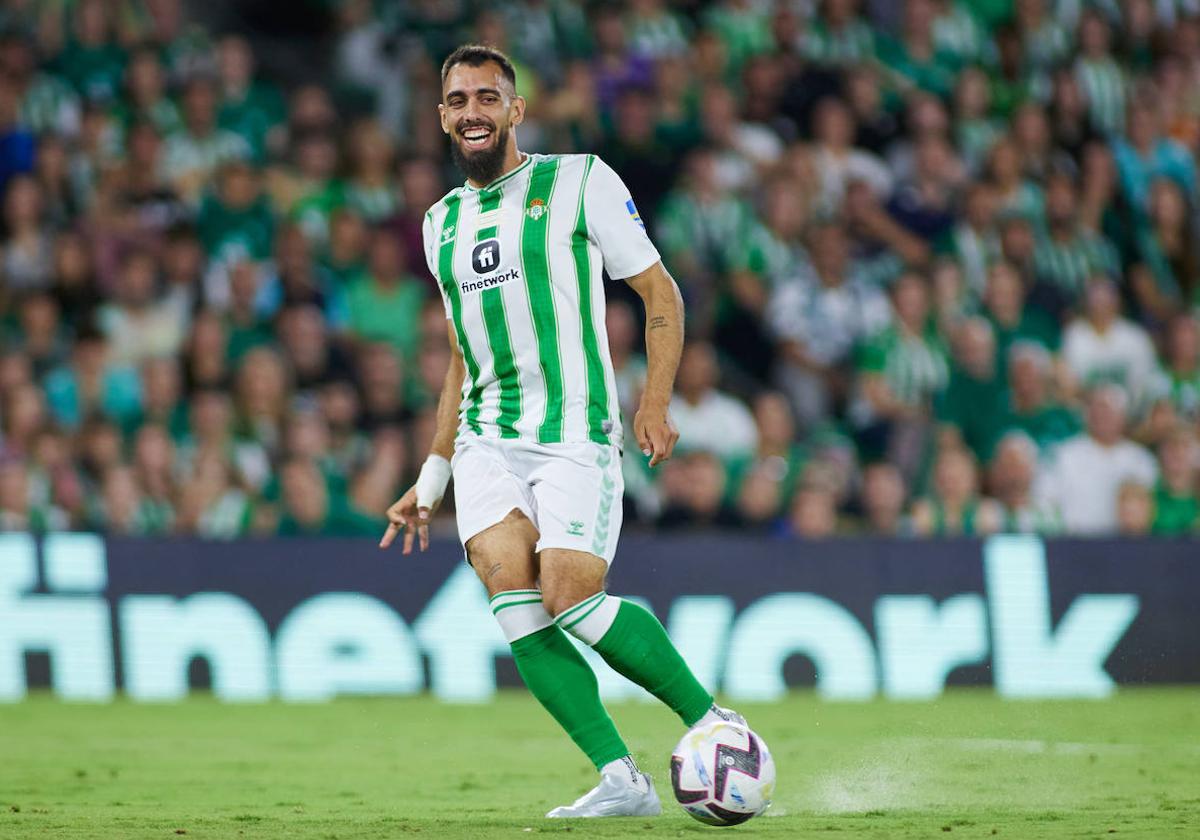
column 557, row 675
column 635, row 644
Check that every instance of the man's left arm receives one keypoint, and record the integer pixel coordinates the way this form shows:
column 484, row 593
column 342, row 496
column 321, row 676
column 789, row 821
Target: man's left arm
column 656, row 433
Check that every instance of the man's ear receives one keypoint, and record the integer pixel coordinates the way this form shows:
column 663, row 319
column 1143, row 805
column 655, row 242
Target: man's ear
column 442, row 118
column 518, row 110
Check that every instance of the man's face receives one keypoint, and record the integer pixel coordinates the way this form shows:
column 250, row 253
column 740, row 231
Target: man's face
column 1060, row 201
column 1106, row 417
column 479, row 107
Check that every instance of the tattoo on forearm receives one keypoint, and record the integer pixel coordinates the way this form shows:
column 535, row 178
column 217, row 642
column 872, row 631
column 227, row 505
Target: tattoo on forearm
column 658, row 321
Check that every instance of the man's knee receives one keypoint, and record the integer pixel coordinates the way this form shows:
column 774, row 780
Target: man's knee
column 502, row 556
column 569, row 577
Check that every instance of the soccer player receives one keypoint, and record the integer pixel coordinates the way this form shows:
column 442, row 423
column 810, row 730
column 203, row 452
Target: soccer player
column 528, row 422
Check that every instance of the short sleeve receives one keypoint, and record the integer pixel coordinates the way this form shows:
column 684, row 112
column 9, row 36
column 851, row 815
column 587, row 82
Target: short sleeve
column 615, row 225
column 429, row 237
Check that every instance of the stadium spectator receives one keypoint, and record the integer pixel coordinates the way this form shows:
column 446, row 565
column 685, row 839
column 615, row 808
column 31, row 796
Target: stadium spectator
column 820, row 316
column 137, row 323
column 839, row 35
column 146, row 99
column 1011, row 476
column 1012, row 319
column 1176, row 509
column 92, row 381
column 708, row 419
column 210, row 505
column 761, row 494
column 26, row 254
column 1066, row 254
column 154, row 468
column 974, row 406
column 370, row 189
column 311, row 506
column 382, row 378
column 1033, row 409
column 813, row 512
column 1135, row 510
column 1102, row 346
column 838, row 162
column 1102, row 78
column 1166, row 274
column 1081, row 482
column 900, row 369
column 955, row 506
column 193, row 153
column 40, row 329
column 122, row 509
column 883, row 500
column 695, row 486
column 249, row 107
column 1144, row 154
column 1178, row 382
column 384, row 302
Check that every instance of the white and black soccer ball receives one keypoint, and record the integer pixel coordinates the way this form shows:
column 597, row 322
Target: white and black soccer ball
column 722, row 774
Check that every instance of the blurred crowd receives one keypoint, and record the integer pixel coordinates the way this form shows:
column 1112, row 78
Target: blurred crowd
column 939, row 259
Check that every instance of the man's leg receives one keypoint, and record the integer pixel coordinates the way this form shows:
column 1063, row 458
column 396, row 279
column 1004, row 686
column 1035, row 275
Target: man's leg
column 627, row 636
column 555, row 672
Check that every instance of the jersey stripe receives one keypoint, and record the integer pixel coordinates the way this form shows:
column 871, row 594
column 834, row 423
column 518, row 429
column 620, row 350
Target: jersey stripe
column 446, row 273
column 499, row 340
column 535, row 263
column 597, row 393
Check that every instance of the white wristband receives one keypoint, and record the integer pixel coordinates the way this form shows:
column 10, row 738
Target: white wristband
column 431, row 483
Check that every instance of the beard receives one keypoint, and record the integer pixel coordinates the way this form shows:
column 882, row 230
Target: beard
column 485, row 166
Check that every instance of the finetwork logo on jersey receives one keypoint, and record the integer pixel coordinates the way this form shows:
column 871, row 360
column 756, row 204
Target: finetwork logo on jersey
column 485, row 258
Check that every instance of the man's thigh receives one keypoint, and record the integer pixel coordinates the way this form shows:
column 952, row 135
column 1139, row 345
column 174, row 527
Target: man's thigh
column 577, row 491
column 486, row 490
column 503, row 554
column 569, row 577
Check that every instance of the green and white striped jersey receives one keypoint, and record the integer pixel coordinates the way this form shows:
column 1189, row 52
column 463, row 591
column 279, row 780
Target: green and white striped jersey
column 520, row 264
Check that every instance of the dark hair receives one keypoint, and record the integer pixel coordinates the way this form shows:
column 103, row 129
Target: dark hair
column 476, row 55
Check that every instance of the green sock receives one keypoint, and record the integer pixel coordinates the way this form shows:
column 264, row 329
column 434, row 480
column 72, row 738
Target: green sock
column 562, row 681
column 637, row 647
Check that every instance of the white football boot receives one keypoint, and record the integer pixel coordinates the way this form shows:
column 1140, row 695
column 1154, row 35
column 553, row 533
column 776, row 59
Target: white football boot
column 717, row 713
column 616, row 796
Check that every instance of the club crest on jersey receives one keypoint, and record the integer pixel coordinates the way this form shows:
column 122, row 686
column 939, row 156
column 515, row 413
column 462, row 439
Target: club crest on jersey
column 537, row 209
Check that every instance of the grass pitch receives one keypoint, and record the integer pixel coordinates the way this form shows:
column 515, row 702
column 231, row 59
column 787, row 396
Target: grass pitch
column 967, row 766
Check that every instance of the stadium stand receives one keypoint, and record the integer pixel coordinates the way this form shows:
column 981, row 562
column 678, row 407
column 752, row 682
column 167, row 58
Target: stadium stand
column 939, row 258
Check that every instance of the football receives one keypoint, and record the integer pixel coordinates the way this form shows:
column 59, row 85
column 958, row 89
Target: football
column 722, row 774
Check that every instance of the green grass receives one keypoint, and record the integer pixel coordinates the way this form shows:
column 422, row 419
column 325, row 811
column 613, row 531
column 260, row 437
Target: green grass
column 968, row 765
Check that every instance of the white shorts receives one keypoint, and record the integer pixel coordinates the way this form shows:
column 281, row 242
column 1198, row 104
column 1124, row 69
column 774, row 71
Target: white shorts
column 571, row 492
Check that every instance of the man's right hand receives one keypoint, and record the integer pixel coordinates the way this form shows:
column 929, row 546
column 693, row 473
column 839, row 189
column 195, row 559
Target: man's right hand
column 405, row 515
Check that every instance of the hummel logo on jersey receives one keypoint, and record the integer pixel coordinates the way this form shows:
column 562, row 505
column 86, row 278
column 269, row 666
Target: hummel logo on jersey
column 576, row 529
column 447, row 233
column 486, row 256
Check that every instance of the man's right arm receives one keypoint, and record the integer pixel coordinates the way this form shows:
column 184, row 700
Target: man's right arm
column 415, row 508
column 446, row 428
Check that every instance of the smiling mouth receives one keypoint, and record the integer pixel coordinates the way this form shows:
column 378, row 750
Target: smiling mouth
column 476, row 137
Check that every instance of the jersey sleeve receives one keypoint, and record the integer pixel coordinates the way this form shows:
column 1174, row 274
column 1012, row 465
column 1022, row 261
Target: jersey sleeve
column 615, row 225
column 429, row 236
